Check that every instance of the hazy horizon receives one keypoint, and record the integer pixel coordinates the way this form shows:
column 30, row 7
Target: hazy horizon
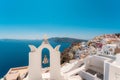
column 39, row 38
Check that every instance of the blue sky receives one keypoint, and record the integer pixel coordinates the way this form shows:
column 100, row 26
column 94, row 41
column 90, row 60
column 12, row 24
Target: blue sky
column 31, row 19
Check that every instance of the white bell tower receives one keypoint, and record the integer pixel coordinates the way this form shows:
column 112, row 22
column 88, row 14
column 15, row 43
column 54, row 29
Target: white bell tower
column 35, row 59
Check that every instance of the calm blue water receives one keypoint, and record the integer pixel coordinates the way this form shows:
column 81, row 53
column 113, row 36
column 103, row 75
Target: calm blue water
column 14, row 53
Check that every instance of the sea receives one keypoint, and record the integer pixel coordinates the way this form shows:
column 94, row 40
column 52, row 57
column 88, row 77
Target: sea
column 14, row 53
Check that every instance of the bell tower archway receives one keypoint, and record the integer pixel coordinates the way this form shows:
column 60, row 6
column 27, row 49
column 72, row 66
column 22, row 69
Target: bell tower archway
column 36, row 61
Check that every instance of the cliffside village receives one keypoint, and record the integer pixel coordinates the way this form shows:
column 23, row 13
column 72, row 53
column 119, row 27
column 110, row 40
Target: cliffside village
column 108, row 44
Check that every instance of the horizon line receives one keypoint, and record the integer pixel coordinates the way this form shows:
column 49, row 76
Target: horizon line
column 38, row 38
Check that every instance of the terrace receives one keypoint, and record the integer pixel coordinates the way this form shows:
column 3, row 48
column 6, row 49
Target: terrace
column 17, row 73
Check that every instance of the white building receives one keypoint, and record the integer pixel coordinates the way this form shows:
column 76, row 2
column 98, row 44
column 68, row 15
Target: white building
column 112, row 69
column 108, row 49
column 96, row 67
column 77, row 54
